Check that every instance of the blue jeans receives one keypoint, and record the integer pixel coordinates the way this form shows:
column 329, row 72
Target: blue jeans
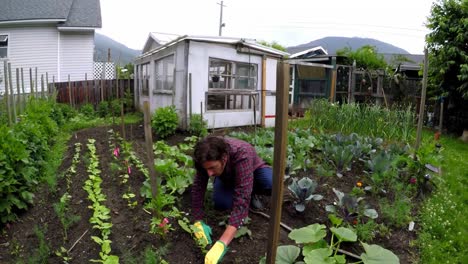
column 223, row 193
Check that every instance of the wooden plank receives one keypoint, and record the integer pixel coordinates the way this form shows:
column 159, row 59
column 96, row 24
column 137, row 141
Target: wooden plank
column 149, row 150
column 18, row 94
column 7, row 97
column 263, row 109
column 13, row 104
column 281, row 136
column 422, row 103
column 31, row 83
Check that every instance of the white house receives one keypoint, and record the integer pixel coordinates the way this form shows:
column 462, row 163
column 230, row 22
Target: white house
column 230, row 81
column 56, row 37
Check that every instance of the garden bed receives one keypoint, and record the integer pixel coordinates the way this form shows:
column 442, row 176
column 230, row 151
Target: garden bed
column 130, row 231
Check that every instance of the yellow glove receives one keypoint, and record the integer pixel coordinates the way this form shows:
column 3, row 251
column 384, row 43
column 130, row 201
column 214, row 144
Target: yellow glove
column 202, row 232
column 216, row 253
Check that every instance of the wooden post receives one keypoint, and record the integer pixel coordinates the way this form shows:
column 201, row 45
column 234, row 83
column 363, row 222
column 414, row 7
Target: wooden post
column 13, row 104
column 47, row 83
column 22, row 88
column 20, row 106
column 31, row 83
column 86, row 88
column 333, row 81
column 441, row 118
column 263, row 109
column 42, row 85
column 7, row 96
column 36, row 83
column 190, row 99
column 422, row 103
column 69, row 91
column 149, row 151
column 53, row 87
column 201, row 110
column 122, row 110
column 281, row 137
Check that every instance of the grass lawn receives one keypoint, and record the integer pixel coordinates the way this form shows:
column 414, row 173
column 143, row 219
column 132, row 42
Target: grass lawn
column 444, row 229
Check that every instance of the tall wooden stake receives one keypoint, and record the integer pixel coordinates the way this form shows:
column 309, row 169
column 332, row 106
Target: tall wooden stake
column 7, row 96
column 13, row 104
column 423, row 103
column 149, row 150
column 69, row 91
column 18, row 89
column 31, row 83
column 281, row 136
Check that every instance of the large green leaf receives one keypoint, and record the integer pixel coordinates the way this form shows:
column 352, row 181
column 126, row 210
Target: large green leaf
column 376, row 254
column 308, row 234
column 344, row 234
column 319, row 256
column 309, row 247
column 287, row 254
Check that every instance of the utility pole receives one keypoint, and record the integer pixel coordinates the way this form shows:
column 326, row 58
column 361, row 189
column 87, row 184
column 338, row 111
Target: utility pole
column 221, row 24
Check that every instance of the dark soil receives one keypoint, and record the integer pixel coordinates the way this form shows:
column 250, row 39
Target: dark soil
column 130, row 231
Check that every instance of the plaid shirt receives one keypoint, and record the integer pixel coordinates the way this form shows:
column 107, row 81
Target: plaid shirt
column 242, row 162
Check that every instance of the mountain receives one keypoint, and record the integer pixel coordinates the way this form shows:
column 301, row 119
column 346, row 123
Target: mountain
column 120, row 54
column 332, row 44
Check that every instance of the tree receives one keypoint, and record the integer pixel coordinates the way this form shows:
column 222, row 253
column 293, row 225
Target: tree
column 447, row 44
column 126, row 71
column 273, row 44
column 366, row 57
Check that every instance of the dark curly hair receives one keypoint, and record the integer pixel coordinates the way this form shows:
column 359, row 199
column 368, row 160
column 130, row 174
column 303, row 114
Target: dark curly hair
column 209, row 149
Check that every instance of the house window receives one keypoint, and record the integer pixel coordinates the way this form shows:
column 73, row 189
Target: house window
column 164, row 73
column 3, row 46
column 231, row 85
column 144, row 79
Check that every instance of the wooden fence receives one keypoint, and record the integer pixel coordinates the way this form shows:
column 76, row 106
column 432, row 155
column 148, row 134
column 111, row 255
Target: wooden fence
column 77, row 93
column 19, row 85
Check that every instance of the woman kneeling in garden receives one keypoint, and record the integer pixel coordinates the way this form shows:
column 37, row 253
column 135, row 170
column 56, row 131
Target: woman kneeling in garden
column 239, row 175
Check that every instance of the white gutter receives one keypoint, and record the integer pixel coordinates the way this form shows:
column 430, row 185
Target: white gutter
column 75, row 28
column 32, row 21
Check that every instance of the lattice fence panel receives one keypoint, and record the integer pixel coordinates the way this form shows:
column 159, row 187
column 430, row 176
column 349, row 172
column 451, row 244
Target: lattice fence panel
column 104, row 70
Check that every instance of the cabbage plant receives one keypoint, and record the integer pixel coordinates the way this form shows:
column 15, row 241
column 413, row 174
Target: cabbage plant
column 303, row 192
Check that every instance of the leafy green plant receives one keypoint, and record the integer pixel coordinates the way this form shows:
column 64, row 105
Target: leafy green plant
column 87, row 110
column 350, row 208
column 198, row 127
column 42, row 253
column 115, row 107
column 18, row 175
column 103, row 109
column 63, row 254
column 398, row 212
column 62, row 209
column 303, row 192
column 184, row 223
column 317, row 250
column 101, row 215
column 165, row 121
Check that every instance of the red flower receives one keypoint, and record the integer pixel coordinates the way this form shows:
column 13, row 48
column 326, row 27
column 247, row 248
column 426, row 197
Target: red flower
column 412, row 180
column 116, row 151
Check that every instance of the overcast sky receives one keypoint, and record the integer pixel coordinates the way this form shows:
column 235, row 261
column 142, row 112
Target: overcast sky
column 292, row 22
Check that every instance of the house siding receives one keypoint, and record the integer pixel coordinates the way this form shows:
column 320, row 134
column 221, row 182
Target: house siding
column 32, row 47
column 76, row 56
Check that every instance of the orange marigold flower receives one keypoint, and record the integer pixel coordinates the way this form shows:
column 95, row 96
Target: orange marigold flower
column 359, row 184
